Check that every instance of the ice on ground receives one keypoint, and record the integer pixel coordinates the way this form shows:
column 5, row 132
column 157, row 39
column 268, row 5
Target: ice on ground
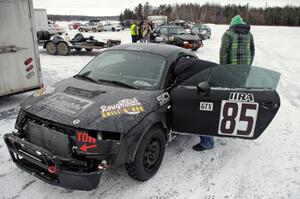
column 268, row 167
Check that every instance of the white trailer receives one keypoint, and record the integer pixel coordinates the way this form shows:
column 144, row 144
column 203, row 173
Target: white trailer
column 20, row 69
column 41, row 20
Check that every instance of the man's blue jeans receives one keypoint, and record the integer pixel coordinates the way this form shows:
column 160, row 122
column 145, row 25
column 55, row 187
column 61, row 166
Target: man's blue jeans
column 207, row 142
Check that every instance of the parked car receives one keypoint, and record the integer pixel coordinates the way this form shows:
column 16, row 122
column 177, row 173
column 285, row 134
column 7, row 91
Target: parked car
column 55, row 29
column 127, row 104
column 202, row 30
column 112, row 26
column 176, row 35
column 91, row 26
column 74, row 26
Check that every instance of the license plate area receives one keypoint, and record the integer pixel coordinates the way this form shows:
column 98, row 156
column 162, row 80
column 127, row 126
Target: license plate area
column 53, row 141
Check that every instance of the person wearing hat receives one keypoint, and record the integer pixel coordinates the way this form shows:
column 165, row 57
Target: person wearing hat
column 237, row 47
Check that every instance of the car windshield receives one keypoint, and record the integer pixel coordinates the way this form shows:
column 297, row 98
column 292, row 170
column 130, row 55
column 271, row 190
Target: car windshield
column 177, row 31
column 135, row 69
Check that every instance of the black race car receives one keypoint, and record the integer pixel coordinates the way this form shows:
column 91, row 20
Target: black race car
column 176, row 35
column 127, row 104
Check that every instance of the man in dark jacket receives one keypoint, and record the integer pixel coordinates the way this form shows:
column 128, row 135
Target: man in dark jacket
column 237, row 45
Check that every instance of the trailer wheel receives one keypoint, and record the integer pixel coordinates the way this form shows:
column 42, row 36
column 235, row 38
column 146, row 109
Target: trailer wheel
column 63, row 48
column 88, row 49
column 94, row 30
column 113, row 29
column 79, row 37
column 148, row 156
column 51, row 48
column 80, row 29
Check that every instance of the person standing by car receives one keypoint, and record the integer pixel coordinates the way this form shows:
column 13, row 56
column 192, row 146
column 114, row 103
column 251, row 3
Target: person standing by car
column 237, row 47
column 140, row 29
column 134, row 32
column 146, row 32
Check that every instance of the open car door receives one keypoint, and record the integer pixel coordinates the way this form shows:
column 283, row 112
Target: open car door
column 226, row 100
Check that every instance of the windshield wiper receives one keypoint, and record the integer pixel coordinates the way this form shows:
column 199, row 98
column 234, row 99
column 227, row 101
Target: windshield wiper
column 86, row 78
column 118, row 83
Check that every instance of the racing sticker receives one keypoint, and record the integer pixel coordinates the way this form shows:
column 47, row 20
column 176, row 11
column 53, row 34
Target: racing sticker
column 87, row 142
column 163, row 99
column 206, row 106
column 67, row 104
column 125, row 106
column 238, row 115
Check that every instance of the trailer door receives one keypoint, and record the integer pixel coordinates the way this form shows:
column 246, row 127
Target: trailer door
column 19, row 61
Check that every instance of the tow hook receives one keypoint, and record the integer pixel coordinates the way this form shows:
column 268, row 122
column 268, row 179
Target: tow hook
column 103, row 166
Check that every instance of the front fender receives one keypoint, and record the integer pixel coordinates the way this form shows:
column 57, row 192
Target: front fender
column 133, row 138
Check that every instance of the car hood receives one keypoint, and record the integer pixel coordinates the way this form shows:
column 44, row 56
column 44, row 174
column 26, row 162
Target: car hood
column 92, row 106
column 188, row 37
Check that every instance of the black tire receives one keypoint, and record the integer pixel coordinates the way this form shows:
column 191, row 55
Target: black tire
column 149, row 156
column 80, row 29
column 51, row 48
column 94, row 30
column 39, row 35
column 88, row 49
column 63, row 48
column 78, row 49
column 113, row 29
column 47, row 35
column 79, row 37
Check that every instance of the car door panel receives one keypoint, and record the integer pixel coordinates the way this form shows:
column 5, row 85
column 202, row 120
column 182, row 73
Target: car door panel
column 243, row 113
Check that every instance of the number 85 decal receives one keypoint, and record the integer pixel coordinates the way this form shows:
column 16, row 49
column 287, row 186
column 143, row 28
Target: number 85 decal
column 238, row 118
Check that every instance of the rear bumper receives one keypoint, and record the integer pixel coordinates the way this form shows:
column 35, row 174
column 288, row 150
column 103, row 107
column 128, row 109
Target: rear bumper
column 36, row 161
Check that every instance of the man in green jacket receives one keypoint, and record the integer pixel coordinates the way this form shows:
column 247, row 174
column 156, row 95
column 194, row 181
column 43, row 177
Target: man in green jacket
column 134, row 32
column 237, row 45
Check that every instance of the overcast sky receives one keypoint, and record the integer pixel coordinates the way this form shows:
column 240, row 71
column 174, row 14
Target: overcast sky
column 114, row 7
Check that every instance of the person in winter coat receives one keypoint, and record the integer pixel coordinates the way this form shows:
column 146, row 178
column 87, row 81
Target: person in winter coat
column 146, row 32
column 237, row 47
column 141, row 38
column 134, row 32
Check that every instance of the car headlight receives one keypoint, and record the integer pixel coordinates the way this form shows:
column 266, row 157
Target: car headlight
column 185, row 42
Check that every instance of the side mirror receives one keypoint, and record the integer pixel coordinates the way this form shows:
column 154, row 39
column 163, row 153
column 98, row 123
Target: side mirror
column 203, row 87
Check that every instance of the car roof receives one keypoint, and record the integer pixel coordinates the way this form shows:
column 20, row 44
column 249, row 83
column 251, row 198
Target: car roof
column 170, row 26
column 160, row 49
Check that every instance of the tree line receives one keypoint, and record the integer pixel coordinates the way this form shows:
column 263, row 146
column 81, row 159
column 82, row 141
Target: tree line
column 218, row 14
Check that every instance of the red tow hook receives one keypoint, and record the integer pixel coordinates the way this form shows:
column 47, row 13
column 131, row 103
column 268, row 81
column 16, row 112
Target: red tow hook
column 52, row 169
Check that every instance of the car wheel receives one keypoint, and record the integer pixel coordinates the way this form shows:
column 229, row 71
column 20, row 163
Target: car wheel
column 63, row 48
column 80, row 29
column 88, row 49
column 94, row 30
column 113, row 29
column 149, row 156
column 51, row 48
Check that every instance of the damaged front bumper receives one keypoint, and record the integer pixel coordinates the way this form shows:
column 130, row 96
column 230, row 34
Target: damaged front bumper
column 56, row 170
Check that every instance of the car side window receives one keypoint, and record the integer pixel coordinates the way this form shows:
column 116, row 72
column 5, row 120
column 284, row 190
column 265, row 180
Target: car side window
column 163, row 31
column 202, row 76
column 195, row 30
column 243, row 76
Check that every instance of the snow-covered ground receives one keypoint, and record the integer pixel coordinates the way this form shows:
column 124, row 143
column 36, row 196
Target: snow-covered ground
column 268, row 167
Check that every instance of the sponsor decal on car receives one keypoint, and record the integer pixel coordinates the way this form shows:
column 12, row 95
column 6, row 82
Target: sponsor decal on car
column 163, row 99
column 43, row 91
column 206, row 106
column 125, row 106
column 67, row 104
column 243, row 97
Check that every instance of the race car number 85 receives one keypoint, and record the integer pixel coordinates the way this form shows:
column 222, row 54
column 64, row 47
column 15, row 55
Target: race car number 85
column 238, row 118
